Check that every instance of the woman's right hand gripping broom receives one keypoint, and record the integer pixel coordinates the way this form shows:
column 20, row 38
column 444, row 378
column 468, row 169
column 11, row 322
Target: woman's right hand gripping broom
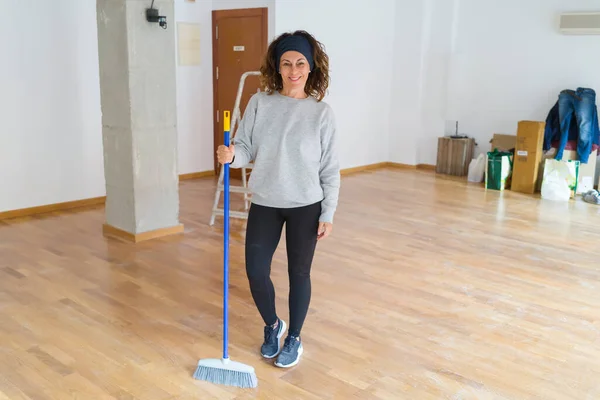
column 225, row 154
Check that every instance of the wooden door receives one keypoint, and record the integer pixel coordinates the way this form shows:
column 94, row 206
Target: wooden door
column 240, row 40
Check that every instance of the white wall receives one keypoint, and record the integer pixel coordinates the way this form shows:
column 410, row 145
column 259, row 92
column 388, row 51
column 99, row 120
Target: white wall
column 438, row 45
column 361, row 57
column 194, row 93
column 485, row 63
column 510, row 63
column 51, row 138
column 408, row 68
column 424, row 40
column 399, row 70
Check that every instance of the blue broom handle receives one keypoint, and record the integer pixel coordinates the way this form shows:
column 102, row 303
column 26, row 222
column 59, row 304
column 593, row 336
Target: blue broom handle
column 226, row 242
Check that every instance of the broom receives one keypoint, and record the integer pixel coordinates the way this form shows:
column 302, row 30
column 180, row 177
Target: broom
column 224, row 371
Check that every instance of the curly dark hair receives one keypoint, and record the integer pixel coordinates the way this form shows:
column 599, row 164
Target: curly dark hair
column 318, row 79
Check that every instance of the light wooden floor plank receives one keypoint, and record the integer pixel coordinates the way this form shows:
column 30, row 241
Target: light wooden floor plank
column 429, row 288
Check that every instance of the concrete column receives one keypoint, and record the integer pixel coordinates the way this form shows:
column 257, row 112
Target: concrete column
column 139, row 126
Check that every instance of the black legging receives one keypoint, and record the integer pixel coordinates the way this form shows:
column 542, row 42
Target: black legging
column 262, row 237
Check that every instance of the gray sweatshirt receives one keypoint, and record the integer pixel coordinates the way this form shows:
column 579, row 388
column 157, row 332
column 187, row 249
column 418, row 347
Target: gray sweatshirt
column 293, row 145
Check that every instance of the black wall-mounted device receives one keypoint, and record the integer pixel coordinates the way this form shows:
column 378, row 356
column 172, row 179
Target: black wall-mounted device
column 152, row 16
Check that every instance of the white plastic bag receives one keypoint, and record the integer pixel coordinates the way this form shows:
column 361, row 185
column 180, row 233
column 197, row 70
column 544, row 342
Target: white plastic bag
column 560, row 180
column 477, row 169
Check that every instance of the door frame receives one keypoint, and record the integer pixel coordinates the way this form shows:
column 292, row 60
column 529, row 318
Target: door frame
column 216, row 16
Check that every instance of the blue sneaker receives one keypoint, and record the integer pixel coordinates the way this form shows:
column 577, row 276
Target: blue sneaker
column 272, row 345
column 290, row 355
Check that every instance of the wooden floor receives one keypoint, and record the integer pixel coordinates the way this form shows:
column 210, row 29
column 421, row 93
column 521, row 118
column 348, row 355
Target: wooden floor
column 429, row 288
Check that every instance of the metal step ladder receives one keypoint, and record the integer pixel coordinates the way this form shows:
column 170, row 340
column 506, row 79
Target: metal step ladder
column 235, row 120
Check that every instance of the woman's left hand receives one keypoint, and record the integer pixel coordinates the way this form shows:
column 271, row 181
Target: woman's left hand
column 324, row 230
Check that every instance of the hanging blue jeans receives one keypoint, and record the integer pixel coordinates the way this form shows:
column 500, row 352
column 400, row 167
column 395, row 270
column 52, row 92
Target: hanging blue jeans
column 552, row 131
column 580, row 103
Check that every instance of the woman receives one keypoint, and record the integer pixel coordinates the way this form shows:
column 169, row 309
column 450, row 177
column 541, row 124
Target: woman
column 290, row 134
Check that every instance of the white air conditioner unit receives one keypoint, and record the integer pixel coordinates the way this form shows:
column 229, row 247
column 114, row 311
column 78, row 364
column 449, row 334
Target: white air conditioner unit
column 587, row 23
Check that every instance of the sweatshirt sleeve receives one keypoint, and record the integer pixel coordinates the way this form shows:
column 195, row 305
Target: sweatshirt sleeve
column 244, row 151
column 330, row 170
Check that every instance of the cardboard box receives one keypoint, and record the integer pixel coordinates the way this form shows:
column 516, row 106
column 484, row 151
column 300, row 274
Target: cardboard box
column 528, row 155
column 503, row 142
column 587, row 172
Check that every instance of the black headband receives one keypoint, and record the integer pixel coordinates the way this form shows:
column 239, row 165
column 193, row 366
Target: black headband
column 295, row 43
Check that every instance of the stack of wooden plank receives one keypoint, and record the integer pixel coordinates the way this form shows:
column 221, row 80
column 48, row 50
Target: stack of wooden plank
column 454, row 155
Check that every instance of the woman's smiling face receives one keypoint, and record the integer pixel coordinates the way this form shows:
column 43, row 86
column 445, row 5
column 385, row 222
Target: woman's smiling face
column 294, row 70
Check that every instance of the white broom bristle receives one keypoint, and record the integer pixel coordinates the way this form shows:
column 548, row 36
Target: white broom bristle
column 226, row 372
